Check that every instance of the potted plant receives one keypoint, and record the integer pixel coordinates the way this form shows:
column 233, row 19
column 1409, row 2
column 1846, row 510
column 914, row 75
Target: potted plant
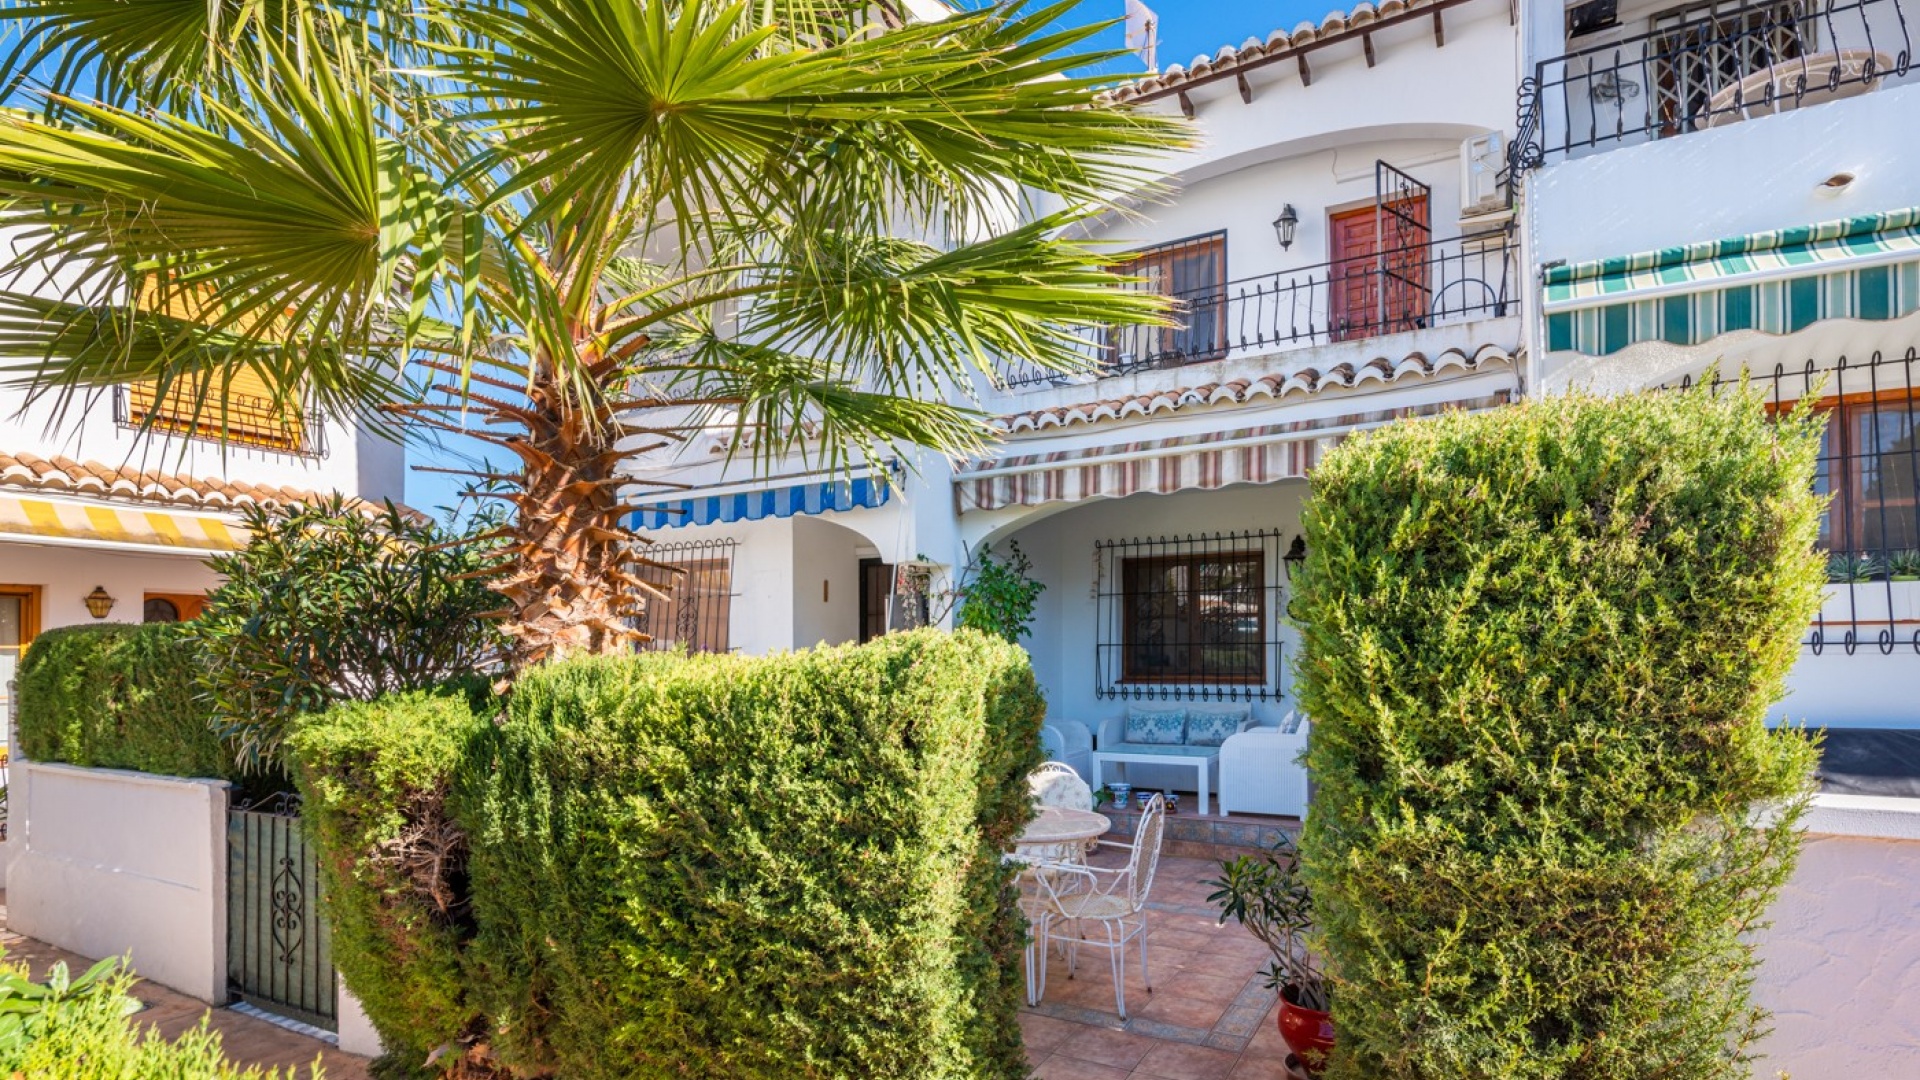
column 1904, row 565
column 1268, row 897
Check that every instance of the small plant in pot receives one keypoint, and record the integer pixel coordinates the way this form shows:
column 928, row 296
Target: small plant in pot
column 1267, row 896
column 1903, row 565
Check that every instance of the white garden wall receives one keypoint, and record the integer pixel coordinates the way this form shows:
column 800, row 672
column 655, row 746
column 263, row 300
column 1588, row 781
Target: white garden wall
column 107, row 862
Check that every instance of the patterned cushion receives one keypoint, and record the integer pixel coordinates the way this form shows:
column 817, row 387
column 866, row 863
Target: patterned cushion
column 1212, row 728
column 1165, row 727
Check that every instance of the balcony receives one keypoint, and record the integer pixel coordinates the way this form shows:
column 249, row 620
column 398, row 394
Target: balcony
column 1388, row 292
column 1702, row 67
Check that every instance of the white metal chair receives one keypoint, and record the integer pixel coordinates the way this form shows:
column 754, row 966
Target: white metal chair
column 1115, row 900
column 1054, row 783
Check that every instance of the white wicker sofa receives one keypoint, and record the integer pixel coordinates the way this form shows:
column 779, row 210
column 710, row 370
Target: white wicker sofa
column 1147, row 736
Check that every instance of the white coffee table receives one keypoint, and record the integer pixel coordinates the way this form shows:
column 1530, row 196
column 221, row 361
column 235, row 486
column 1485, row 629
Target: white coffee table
column 1201, row 767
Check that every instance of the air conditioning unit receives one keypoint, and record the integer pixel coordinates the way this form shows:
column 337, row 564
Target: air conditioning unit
column 1482, row 159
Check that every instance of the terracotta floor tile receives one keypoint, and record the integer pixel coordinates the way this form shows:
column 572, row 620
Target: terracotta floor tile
column 1169, row 1006
column 1179, row 1061
column 1120, row 1049
column 1066, row 1068
column 1254, row 1065
column 1045, row 1032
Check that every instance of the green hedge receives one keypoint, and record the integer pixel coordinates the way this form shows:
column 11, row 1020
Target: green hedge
column 373, row 782
column 114, row 695
column 1539, row 647
column 713, row 866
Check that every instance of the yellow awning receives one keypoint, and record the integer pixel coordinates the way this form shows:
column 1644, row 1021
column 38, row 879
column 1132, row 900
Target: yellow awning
column 127, row 528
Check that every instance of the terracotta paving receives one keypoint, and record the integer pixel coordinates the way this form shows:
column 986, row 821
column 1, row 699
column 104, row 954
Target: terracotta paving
column 246, row 1039
column 1209, row 1015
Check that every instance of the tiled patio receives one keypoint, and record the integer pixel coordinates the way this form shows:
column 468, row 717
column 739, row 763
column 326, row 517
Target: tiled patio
column 1209, row 1016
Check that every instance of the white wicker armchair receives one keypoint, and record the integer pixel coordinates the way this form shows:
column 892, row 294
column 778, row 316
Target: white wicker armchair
column 1069, row 742
column 1260, row 772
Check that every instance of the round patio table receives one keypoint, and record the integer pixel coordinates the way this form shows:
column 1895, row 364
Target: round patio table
column 1055, row 825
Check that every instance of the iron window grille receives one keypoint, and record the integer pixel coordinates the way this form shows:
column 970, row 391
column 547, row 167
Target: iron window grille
column 1869, row 464
column 1189, row 618
column 696, row 612
column 1707, row 64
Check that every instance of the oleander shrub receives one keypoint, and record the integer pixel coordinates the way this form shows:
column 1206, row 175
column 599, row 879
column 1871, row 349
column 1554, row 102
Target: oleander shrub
column 334, row 602
column 115, row 695
column 764, row 868
column 373, row 779
column 88, row 1028
column 1539, row 647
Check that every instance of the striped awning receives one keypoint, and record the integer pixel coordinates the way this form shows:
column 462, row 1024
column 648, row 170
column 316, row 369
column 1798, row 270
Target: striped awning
column 77, row 523
column 1203, row 462
column 819, row 494
column 1775, row 282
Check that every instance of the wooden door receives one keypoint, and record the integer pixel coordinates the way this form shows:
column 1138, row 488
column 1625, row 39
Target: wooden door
column 1373, row 295
column 19, row 621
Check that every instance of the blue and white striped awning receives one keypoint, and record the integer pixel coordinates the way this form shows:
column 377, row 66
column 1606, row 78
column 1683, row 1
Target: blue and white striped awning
column 817, row 495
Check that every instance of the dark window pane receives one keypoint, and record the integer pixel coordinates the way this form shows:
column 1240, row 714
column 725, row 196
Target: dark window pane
column 1194, row 618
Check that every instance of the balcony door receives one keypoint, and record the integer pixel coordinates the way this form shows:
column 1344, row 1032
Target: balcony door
column 1379, row 268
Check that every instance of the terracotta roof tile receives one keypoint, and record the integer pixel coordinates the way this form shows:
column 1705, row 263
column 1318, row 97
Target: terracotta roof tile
column 63, row 475
column 1239, row 391
column 1230, row 57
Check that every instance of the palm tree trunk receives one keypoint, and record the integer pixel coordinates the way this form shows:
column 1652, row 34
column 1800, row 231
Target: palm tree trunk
column 569, row 577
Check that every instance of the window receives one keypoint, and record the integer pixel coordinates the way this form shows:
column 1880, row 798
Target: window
column 1192, row 271
column 697, row 610
column 1703, row 51
column 1194, row 618
column 194, row 408
column 172, row 607
column 1869, row 463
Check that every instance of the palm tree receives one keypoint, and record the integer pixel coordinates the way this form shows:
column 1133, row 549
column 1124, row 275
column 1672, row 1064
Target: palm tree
column 576, row 229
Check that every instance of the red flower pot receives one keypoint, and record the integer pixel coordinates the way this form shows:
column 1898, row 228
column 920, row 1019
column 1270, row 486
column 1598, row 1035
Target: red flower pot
column 1308, row 1032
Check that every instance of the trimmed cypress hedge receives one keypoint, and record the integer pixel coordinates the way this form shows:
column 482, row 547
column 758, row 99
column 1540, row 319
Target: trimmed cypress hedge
column 1540, row 644
column 373, row 778
column 116, row 695
column 713, row 866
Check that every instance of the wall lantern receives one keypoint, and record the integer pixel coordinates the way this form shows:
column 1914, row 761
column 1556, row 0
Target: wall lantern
column 1284, row 224
column 1296, row 554
column 99, row 603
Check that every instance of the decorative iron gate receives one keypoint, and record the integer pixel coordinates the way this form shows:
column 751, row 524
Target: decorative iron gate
column 279, row 950
column 1402, row 237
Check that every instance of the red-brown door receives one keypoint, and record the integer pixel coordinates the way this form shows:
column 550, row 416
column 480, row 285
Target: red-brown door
column 1372, row 295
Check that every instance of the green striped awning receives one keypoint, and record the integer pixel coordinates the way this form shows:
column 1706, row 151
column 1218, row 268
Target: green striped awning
column 1775, row 282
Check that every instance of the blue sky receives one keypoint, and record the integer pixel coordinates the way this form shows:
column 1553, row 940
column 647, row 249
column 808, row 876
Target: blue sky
column 1187, row 29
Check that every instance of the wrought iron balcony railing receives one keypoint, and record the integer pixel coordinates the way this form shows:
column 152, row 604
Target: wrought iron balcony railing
column 1349, row 299
column 1705, row 67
